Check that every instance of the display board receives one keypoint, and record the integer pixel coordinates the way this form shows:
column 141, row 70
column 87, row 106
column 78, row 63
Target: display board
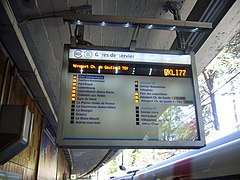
column 129, row 100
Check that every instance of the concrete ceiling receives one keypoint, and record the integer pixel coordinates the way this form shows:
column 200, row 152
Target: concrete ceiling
column 42, row 27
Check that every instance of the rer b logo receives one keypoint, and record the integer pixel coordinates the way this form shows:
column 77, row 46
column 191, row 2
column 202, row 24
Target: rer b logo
column 78, row 53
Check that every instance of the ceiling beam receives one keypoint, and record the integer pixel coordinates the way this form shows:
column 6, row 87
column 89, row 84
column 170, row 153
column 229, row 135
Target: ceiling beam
column 18, row 50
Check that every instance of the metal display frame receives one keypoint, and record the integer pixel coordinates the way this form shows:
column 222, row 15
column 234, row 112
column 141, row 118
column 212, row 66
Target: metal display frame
column 123, row 144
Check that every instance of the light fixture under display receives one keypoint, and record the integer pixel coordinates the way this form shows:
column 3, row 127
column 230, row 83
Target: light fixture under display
column 133, row 22
column 103, row 23
column 149, row 26
column 127, row 25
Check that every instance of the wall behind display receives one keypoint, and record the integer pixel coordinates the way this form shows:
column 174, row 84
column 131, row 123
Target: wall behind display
column 26, row 162
column 62, row 166
column 47, row 168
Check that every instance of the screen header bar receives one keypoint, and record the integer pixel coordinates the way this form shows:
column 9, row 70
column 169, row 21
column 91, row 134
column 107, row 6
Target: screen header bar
column 121, row 56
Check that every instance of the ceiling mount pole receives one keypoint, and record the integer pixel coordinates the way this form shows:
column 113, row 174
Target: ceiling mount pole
column 174, row 7
column 78, row 37
column 133, row 42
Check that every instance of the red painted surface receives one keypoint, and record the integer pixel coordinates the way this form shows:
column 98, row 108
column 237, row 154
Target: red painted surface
column 141, row 177
column 182, row 169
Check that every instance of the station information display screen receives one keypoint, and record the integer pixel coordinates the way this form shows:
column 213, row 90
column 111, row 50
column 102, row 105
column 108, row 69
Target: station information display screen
column 120, row 99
